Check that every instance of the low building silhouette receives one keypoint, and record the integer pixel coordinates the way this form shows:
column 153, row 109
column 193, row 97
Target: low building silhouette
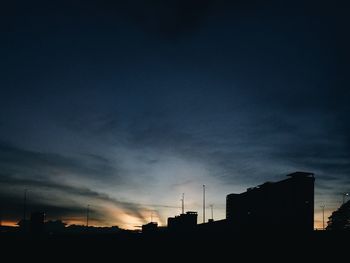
column 286, row 205
column 150, row 228
column 37, row 222
column 55, row 227
column 183, row 222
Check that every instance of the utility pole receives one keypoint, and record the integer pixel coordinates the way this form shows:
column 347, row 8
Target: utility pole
column 24, row 205
column 151, row 216
column 212, row 213
column 87, row 215
column 322, row 206
column 203, row 203
column 183, row 203
column 24, row 221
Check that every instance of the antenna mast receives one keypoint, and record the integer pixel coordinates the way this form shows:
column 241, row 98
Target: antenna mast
column 24, row 205
column 183, row 203
column 203, row 203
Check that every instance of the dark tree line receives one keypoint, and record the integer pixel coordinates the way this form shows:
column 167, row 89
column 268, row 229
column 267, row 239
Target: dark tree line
column 340, row 219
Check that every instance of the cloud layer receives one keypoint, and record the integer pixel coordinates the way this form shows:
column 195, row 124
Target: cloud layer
column 125, row 106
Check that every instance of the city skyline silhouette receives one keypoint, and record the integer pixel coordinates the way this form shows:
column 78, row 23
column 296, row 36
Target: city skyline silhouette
column 166, row 124
column 283, row 201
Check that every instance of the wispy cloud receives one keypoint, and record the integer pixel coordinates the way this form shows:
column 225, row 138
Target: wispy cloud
column 68, row 203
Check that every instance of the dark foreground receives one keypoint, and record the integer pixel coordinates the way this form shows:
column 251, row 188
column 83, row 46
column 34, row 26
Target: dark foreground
column 168, row 247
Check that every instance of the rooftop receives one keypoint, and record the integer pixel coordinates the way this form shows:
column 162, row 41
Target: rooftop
column 300, row 174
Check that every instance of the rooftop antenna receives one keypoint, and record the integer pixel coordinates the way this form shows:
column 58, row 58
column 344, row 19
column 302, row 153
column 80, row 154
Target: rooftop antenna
column 322, row 206
column 203, row 203
column 183, row 203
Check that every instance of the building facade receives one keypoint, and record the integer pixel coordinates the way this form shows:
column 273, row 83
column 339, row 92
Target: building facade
column 286, row 205
column 186, row 221
column 149, row 228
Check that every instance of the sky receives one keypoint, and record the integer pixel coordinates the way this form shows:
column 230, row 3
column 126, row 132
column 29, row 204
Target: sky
column 124, row 106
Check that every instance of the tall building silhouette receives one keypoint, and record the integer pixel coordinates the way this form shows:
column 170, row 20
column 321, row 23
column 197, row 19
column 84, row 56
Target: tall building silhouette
column 286, row 205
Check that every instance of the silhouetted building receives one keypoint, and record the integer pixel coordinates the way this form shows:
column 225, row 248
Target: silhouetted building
column 83, row 229
column 186, row 221
column 37, row 220
column 284, row 205
column 151, row 227
column 54, row 227
column 212, row 227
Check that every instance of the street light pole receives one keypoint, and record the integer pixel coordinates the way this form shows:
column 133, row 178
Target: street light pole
column 183, row 203
column 203, row 203
column 24, row 205
column 322, row 206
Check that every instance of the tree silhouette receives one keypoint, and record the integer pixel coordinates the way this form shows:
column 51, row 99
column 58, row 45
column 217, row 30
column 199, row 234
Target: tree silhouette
column 340, row 219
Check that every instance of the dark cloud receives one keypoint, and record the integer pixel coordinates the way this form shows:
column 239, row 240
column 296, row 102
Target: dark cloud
column 164, row 18
column 167, row 18
column 12, row 207
column 30, row 183
column 105, row 94
column 12, row 200
column 32, row 163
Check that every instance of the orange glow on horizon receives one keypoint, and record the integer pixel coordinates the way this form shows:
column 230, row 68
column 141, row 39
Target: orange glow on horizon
column 9, row 223
column 129, row 222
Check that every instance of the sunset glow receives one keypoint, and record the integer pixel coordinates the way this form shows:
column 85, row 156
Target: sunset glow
column 111, row 111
